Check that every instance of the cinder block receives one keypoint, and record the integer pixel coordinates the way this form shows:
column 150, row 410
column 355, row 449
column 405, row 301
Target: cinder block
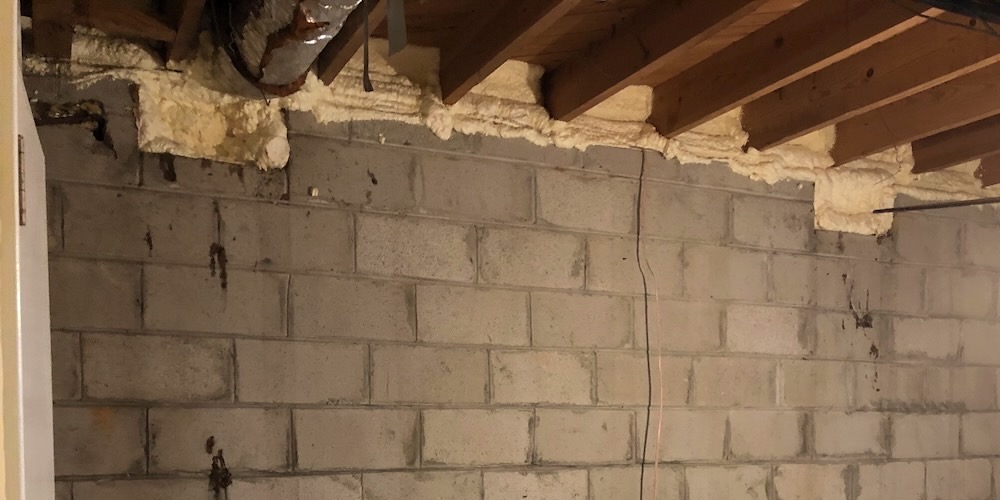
column 897, row 480
column 66, row 384
column 925, row 436
column 555, row 485
column 531, row 258
column 614, row 160
column 885, row 386
column 64, row 490
column 850, row 434
column 460, row 315
column 475, row 189
column 99, row 440
column 973, row 388
column 767, row 330
column 420, row 248
column 423, row 485
column 615, row 483
column 979, row 436
column 533, row 377
column 305, row 122
column 685, row 435
column 151, row 489
column 73, row 154
column 232, row 302
column 686, row 213
column 137, row 224
column 339, row 487
column 183, row 440
column 842, row 335
column 351, row 175
column 772, row 223
column 429, row 375
column 570, row 320
column 766, row 435
column 410, row 135
column 719, row 174
column 980, row 342
column 156, row 368
column 356, row 439
column 680, row 326
column 811, row 481
column 954, row 292
column 807, row 280
column 611, row 266
column 902, row 289
column 476, row 437
column 276, row 236
column 86, row 294
column 980, row 245
column 301, row 372
column 189, row 175
column 592, row 436
column 582, row 201
column 927, row 239
column 959, row 479
column 621, row 379
column 817, row 384
column 521, row 149
column 331, row 307
column 742, row 482
column 859, row 246
column 115, row 95
column 925, row 338
column 734, row 382
column 54, row 216
column 722, row 273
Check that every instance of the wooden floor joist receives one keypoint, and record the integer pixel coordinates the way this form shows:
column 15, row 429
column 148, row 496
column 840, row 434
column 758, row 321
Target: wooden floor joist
column 661, row 32
column 811, row 37
column 186, row 15
column 341, row 49
column 117, row 18
column 52, row 27
column 950, row 105
column 913, row 61
column 957, row 146
column 491, row 38
column 989, row 171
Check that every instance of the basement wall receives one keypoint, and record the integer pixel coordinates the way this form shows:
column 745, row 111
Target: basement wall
column 398, row 317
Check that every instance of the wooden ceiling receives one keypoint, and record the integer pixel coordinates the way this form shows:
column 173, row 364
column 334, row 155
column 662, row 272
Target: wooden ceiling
column 883, row 72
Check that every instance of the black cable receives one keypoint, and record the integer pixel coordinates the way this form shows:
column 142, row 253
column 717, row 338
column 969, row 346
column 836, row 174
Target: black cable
column 645, row 315
column 975, row 16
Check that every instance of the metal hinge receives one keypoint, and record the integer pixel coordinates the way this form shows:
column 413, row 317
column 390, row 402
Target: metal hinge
column 21, row 202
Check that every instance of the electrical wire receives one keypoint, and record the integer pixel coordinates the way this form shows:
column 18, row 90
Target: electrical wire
column 956, row 9
column 645, row 316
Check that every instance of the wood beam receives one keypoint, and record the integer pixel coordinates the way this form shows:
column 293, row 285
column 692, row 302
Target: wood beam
column 952, row 104
column 186, row 15
column 809, row 38
column 52, row 28
column 911, row 62
column 492, row 38
column 341, row 49
column 654, row 38
column 957, row 146
column 989, row 171
column 117, row 18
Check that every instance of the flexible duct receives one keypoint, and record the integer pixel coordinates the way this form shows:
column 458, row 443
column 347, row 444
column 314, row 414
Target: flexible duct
column 278, row 40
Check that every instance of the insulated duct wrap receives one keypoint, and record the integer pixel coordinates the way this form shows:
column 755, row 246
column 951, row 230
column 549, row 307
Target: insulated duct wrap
column 278, row 40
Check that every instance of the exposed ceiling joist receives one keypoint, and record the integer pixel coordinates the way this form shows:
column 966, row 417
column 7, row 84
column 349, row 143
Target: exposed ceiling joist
column 952, row 104
column 121, row 19
column 913, row 61
column 186, row 15
column 989, row 171
column 341, row 49
column 52, row 27
column 957, row 146
column 491, row 39
column 811, row 37
column 654, row 37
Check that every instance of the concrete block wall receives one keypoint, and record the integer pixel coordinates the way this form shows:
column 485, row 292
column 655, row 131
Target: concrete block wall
column 398, row 317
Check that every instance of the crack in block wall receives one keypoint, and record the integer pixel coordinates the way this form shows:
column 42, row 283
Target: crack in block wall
column 406, row 317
